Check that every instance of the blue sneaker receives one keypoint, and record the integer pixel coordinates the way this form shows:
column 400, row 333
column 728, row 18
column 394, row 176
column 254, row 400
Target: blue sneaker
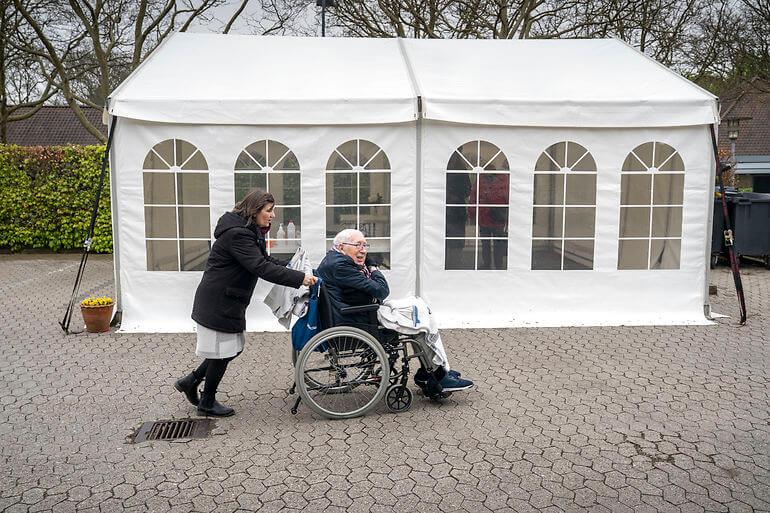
column 455, row 384
column 453, row 373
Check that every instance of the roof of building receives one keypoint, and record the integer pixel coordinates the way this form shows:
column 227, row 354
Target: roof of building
column 55, row 126
column 750, row 99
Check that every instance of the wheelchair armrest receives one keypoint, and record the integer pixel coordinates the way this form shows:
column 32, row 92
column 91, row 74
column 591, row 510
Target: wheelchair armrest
column 363, row 308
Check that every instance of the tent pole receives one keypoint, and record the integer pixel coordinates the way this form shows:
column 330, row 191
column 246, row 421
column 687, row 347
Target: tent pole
column 65, row 322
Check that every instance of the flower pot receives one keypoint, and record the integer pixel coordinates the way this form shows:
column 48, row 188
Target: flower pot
column 97, row 318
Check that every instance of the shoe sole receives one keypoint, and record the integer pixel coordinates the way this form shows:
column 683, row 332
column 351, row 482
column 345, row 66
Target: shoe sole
column 202, row 413
column 456, row 389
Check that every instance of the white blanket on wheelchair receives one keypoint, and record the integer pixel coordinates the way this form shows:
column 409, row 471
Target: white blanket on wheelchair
column 287, row 301
column 411, row 316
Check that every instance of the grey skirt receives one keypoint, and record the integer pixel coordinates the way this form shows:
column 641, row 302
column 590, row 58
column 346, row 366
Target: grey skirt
column 217, row 344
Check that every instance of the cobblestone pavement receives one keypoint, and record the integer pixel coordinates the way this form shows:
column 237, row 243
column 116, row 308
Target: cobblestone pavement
column 574, row 419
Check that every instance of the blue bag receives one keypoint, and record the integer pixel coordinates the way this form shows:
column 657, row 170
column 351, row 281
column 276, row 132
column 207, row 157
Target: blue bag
column 306, row 327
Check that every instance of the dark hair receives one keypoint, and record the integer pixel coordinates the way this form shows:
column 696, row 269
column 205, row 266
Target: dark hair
column 253, row 203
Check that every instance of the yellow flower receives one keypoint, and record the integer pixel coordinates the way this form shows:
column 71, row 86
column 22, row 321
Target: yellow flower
column 97, row 301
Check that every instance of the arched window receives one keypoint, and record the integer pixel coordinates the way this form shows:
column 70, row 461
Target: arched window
column 176, row 207
column 272, row 167
column 477, row 182
column 564, row 211
column 651, row 200
column 358, row 195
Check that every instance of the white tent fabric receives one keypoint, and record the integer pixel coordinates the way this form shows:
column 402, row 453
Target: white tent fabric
column 234, row 79
column 419, row 101
column 215, row 79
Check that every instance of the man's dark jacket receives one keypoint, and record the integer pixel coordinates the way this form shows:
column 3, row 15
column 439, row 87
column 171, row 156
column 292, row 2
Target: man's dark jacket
column 237, row 260
column 347, row 285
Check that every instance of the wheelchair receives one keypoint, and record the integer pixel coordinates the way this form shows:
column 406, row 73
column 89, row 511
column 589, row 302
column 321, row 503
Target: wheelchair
column 346, row 371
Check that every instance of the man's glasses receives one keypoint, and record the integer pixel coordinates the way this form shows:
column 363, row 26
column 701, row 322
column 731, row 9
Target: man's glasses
column 359, row 245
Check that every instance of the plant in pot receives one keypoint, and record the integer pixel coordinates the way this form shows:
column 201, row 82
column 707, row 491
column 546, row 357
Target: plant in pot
column 97, row 313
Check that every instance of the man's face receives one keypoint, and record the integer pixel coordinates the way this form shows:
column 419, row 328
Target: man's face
column 356, row 248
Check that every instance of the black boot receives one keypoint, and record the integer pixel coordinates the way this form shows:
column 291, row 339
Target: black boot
column 210, row 406
column 188, row 385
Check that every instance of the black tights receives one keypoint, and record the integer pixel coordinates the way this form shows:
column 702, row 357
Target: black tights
column 212, row 370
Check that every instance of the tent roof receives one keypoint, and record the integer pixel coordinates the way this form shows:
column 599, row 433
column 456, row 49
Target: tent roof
column 233, row 79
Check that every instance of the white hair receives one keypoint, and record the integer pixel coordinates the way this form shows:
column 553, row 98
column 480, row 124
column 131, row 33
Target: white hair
column 345, row 236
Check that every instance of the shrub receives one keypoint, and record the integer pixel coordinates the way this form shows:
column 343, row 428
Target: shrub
column 46, row 197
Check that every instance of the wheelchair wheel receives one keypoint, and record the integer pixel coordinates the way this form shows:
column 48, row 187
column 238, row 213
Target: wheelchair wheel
column 342, row 373
column 398, row 398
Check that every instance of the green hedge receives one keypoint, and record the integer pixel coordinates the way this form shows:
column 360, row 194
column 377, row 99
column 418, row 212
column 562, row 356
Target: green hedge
column 46, row 196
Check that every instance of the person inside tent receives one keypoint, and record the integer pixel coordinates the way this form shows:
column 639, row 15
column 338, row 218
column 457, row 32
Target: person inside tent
column 352, row 279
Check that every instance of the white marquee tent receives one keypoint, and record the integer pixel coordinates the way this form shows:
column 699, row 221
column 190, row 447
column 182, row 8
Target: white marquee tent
column 508, row 183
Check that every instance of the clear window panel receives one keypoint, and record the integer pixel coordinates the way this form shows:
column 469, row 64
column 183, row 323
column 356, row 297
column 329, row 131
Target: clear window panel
column 492, row 254
column 644, row 152
column 547, row 222
column 575, row 152
column 162, row 255
column 493, row 188
column 667, row 222
column 197, row 162
column 632, row 254
column 338, row 162
column 549, row 189
column 285, row 187
column 159, row 188
column 374, row 187
column 153, row 161
column 193, row 188
column 460, row 222
column 245, row 182
column 579, row 222
column 184, row 151
column 341, row 188
column 662, row 154
column 460, row 254
column 668, row 189
column 546, row 255
column 633, row 164
column 675, row 163
column 558, row 154
column 275, row 152
column 349, row 151
column 258, row 152
column 194, row 222
column 586, row 164
column 340, row 218
column 379, row 251
column 499, row 163
column 664, row 253
column 578, row 255
column 581, row 189
column 458, row 188
column 634, row 222
column 165, row 151
column 160, row 222
column 546, row 164
column 458, row 163
column 284, row 215
column 488, row 151
column 283, row 249
column 493, row 221
column 470, row 151
column 194, row 254
column 380, row 161
column 374, row 221
column 367, row 150
column 246, row 163
column 635, row 189
column 288, row 163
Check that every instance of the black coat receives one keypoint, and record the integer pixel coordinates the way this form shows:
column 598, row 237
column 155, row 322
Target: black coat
column 347, row 285
column 237, row 260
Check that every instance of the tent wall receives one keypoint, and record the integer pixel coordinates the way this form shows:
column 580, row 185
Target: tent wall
column 520, row 296
column 161, row 301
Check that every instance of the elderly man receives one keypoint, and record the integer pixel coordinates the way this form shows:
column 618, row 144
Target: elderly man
column 352, row 279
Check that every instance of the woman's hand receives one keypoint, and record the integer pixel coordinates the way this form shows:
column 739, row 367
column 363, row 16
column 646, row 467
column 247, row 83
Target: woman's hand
column 309, row 280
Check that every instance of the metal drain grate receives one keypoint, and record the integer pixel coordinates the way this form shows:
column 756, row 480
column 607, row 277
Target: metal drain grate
column 173, row 430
